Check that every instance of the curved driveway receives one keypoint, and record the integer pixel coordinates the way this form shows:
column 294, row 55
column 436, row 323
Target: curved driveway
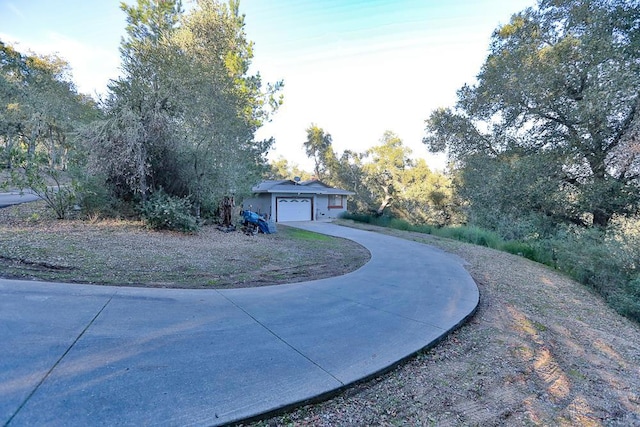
column 16, row 197
column 76, row 355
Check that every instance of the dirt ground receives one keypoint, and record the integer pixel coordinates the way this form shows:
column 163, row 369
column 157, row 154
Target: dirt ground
column 33, row 245
column 542, row 350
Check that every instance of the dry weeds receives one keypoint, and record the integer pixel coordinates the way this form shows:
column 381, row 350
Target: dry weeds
column 541, row 350
column 33, row 245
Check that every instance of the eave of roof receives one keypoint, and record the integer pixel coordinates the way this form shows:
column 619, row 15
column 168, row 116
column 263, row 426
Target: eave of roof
column 290, row 187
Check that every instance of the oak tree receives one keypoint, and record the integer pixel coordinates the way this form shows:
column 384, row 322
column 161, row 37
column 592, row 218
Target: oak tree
column 553, row 115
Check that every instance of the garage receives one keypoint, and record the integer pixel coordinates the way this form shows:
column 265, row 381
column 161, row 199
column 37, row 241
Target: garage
column 293, row 209
column 294, row 200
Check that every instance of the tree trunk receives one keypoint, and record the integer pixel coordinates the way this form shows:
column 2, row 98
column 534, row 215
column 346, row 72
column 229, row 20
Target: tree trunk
column 601, row 217
column 142, row 173
column 385, row 203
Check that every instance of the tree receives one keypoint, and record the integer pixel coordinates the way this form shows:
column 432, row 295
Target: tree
column 559, row 91
column 221, row 106
column 383, row 178
column 427, row 196
column 384, row 171
column 129, row 146
column 40, row 112
column 318, row 147
column 281, row 169
column 184, row 115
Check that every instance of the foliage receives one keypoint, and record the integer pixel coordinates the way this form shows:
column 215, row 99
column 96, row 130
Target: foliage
column 384, row 169
column 555, row 110
column 527, row 250
column 427, row 196
column 627, row 300
column 164, row 212
column 606, row 260
column 388, row 221
column 96, row 198
column 471, row 234
column 184, row 114
column 318, row 147
column 40, row 112
column 282, row 169
column 386, row 180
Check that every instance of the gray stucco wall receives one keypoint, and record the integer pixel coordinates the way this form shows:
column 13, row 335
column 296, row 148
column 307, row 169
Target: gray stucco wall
column 260, row 204
column 322, row 208
column 263, row 203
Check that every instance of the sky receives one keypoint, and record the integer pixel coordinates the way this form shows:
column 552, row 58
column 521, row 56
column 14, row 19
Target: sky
column 356, row 68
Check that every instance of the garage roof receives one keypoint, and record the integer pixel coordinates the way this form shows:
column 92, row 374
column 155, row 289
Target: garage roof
column 307, row 187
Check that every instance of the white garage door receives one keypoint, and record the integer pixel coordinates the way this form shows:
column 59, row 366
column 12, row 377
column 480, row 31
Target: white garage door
column 293, row 209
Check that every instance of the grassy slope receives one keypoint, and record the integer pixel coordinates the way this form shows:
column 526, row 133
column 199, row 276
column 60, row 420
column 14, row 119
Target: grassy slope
column 541, row 350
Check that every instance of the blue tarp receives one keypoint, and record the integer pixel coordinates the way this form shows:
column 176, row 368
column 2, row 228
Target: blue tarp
column 254, row 218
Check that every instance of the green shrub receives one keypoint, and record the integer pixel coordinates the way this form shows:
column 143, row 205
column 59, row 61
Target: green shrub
column 627, row 300
column 605, row 260
column 164, row 212
column 520, row 248
column 358, row 217
column 400, row 224
column 471, row 234
column 388, row 221
column 59, row 198
column 95, row 198
column 423, row 228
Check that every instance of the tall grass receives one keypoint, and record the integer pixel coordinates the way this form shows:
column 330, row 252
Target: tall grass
column 607, row 261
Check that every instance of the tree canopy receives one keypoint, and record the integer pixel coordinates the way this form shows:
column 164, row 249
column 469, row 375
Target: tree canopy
column 384, row 178
column 551, row 126
column 40, row 113
column 184, row 114
column 318, row 147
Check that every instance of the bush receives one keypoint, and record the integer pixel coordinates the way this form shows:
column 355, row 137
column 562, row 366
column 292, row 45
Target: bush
column 608, row 260
column 60, row 198
column 471, row 234
column 164, row 212
column 358, row 217
column 95, row 198
column 388, row 221
column 400, row 224
column 521, row 248
column 627, row 300
column 605, row 260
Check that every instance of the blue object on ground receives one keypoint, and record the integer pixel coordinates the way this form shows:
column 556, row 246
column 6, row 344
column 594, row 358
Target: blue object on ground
column 254, row 218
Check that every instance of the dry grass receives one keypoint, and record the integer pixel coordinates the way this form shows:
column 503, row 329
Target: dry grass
column 33, row 245
column 541, row 350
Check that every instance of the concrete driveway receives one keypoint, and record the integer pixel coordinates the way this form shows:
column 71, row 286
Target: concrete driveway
column 16, row 197
column 78, row 355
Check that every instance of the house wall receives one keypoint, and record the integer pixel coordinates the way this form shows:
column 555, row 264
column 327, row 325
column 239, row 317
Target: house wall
column 261, row 204
column 265, row 203
column 323, row 211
